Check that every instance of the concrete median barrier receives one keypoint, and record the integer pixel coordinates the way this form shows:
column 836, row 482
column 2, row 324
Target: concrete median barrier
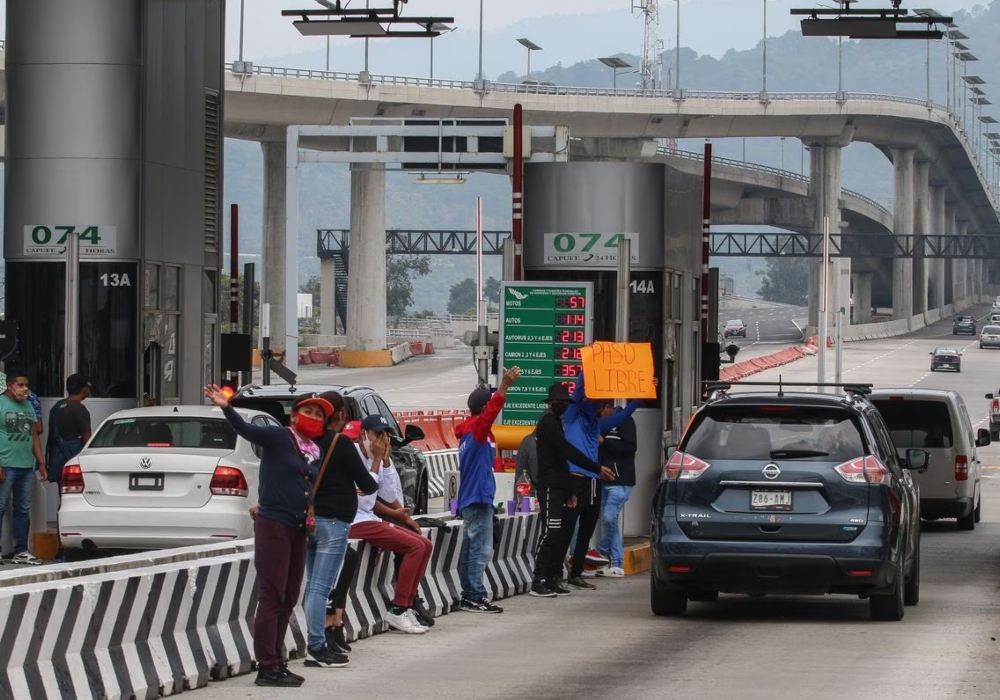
column 746, row 368
column 162, row 629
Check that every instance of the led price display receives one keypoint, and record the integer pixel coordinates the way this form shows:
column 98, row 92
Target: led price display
column 543, row 325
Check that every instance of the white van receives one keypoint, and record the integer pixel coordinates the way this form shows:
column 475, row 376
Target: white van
column 938, row 421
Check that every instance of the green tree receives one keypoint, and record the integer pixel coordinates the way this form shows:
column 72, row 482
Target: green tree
column 785, row 280
column 491, row 290
column 462, row 297
column 399, row 273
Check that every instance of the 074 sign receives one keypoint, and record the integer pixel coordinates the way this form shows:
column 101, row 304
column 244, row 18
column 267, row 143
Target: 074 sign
column 49, row 240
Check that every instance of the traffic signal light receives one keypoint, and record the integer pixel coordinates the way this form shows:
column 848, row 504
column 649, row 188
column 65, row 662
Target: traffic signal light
column 229, row 387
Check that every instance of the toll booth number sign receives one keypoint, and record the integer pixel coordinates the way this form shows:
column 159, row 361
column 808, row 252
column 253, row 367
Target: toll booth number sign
column 543, row 326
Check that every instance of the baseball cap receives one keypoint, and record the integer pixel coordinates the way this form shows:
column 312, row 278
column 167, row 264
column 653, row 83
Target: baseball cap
column 323, row 404
column 478, row 399
column 75, row 383
column 375, row 422
column 351, row 430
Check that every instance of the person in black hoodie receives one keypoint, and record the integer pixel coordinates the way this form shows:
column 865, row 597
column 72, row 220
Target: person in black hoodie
column 554, row 453
column 341, row 475
column 618, row 447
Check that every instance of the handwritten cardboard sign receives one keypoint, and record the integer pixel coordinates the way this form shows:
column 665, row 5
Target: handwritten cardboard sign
column 618, row 371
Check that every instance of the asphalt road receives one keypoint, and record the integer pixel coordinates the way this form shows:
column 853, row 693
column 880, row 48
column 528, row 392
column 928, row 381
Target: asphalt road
column 766, row 325
column 606, row 643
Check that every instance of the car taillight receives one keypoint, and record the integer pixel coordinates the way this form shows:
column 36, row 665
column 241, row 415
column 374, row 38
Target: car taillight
column 229, row 481
column 864, row 470
column 996, row 405
column 71, row 480
column 961, row 468
column 684, row 467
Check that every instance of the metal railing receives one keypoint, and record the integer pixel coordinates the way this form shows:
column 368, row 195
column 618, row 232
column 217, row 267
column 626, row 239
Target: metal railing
column 770, row 170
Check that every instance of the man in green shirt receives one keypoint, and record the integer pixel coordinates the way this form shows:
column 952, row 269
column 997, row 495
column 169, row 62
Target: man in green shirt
column 20, row 450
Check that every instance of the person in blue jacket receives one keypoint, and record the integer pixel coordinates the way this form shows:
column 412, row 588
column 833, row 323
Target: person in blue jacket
column 476, row 491
column 584, row 426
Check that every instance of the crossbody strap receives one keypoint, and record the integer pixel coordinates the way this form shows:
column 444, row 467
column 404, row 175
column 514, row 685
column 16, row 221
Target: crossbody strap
column 326, row 462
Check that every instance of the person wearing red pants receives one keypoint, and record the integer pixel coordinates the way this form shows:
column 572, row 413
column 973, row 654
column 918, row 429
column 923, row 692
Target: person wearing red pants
column 415, row 549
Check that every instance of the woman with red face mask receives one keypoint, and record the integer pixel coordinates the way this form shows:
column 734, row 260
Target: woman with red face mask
column 287, row 471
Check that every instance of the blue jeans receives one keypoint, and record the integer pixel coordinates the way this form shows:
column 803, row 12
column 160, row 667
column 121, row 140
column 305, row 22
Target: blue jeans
column 610, row 544
column 477, row 550
column 324, row 559
column 18, row 486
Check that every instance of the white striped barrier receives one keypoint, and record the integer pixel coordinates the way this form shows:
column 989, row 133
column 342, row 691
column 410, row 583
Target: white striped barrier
column 439, row 463
column 157, row 631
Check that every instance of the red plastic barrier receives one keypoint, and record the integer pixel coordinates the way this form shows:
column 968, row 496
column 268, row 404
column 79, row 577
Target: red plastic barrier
column 428, row 348
column 304, row 358
column 417, row 347
column 319, row 358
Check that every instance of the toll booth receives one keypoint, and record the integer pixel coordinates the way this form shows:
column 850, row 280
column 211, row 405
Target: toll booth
column 114, row 133
column 574, row 215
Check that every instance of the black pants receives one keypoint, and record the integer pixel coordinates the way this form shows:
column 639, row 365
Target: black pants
column 551, row 550
column 587, row 513
column 338, row 596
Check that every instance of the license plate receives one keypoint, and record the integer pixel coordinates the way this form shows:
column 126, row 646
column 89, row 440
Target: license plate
column 770, row 500
column 145, row 482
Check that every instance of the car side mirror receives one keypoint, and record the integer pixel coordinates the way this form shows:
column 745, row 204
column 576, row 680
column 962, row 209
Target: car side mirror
column 668, row 452
column 982, row 437
column 989, row 396
column 917, row 459
column 411, row 433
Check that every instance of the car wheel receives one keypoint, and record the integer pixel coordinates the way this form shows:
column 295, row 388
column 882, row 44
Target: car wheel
column 889, row 607
column 977, row 514
column 967, row 523
column 911, row 592
column 666, row 603
column 704, row 596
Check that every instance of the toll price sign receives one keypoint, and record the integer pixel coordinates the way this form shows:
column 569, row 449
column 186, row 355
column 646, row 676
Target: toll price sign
column 543, row 328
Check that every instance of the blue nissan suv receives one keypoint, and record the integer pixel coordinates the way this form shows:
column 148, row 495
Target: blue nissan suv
column 789, row 493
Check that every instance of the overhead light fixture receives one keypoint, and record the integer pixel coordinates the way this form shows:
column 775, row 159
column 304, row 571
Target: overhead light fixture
column 440, row 179
column 370, row 22
column 871, row 23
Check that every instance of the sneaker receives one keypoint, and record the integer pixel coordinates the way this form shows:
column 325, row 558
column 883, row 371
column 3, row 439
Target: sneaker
column 26, row 559
column 294, row 676
column 480, row 607
column 424, row 617
column 612, row 571
column 540, row 589
column 578, row 582
column 275, row 678
column 415, row 618
column 402, row 622
column 589, row 571
column 557, row 588
column 597, row 559
column 337, row 639
column 325, row 657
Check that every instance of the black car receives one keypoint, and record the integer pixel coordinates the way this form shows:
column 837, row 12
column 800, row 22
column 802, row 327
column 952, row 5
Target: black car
column 964, row 324
column 790, row 493
column 362, row 401
column 946, row 358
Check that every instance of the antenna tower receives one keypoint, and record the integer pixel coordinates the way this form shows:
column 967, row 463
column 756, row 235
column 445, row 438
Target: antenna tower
column 652, row 45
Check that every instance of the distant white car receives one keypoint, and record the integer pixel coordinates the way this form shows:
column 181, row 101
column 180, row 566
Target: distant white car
column 161, row 477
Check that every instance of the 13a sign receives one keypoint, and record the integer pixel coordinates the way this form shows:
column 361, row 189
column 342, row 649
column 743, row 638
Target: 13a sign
column 49, row 240
column 587, row 249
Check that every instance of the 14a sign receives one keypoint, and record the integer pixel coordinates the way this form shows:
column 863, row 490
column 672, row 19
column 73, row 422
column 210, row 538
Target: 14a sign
column 587, row 249
column 49, row 240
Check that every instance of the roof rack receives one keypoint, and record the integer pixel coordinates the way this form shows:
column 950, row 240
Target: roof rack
column 715, row 388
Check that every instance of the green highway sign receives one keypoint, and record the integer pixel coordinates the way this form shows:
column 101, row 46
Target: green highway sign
column 543, row 325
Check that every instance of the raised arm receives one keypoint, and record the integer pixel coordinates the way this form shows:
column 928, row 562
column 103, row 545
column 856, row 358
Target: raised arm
column 618, row 417
column 263, row 435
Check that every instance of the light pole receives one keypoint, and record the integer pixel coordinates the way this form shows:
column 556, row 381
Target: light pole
column 677, row 47
column 764, row 87
column 479, row 75
column 614, row 63
column 531, row 46
column 443, row 29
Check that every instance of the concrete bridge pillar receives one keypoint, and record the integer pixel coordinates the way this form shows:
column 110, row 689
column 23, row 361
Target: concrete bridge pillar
column 366, row 345
column 961, row 267
column 978, row 280
column 902, row 224
column 951, row 264
column 936, row 277
column 824, row 188
column 921, row 228
column 327, row 297
column 862, row 282
column 272, row 284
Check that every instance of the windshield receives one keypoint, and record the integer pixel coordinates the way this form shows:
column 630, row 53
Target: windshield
column 992, row 330
column 166, row 431
column 775, row 432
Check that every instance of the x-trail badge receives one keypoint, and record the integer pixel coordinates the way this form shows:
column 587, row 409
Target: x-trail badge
column 145, row 463
column 771, row 471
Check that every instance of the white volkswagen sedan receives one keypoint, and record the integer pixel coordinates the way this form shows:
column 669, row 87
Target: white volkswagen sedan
column 160, row 477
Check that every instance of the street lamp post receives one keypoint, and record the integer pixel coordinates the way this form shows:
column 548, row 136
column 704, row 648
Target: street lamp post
column 442, row 29
column 764, row 87
column 530, row 46
column 677, row 56
column 614, row 63
column 479, row 75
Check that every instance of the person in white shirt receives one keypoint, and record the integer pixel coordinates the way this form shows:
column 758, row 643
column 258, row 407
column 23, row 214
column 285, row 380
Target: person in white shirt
column 369, row 527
